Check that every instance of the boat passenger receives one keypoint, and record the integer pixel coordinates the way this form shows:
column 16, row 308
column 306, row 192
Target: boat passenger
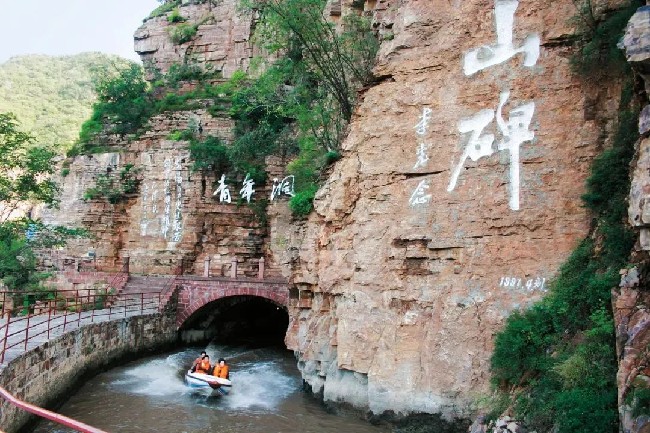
column 204, row 366
column 197, row 361
column 221, row 369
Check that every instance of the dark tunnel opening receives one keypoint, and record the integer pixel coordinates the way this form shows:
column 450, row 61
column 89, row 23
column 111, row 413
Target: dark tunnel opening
column 238, row 320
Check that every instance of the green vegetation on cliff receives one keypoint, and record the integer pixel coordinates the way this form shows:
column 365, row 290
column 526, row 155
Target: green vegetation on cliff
column 303, row 102
column 555, row 363
column 558, row 359
column 52, row 95
column 297, row 107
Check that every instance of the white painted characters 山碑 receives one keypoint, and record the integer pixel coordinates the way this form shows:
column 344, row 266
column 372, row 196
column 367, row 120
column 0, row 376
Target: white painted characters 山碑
column 223, row 190
column 247, row 188
column 514, row 132
column 504, row 49
column 167, row 199
column 419, row 196
column 285, row 186
column 478, row 144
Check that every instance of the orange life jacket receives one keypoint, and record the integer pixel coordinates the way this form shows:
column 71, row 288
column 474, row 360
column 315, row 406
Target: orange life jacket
column 203, row 367
column 220, row 371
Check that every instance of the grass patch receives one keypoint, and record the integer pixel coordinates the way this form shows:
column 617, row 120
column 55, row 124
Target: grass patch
column 164, row 8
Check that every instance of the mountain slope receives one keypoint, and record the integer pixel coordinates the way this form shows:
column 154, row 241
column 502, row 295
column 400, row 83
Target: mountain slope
column 51, row 96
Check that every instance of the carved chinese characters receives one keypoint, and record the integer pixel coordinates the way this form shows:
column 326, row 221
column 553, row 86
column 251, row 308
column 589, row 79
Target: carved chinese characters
column 477, row 131
column 169, row 224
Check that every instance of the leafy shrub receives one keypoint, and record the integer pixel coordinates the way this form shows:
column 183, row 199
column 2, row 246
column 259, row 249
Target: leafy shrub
column 183, row 33
column 210, row 155
column 331, row 157
column 123, row 105
column 175, row 16
column 65, row 172
column 114, row 188
column 184, row 135
column 302, row 203
column 639, row 399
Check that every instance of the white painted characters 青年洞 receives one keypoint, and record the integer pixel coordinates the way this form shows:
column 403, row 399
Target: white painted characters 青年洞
column 247, row 188
column 223, row 190
column 284, row 186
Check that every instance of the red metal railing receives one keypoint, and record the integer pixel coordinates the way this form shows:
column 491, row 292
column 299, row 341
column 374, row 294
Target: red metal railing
column 53, row 416
column 116, row 281
column 61, row 309
column 168, row 289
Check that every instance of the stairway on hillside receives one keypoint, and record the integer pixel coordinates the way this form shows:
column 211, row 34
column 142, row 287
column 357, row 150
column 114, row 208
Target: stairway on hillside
column 143, row 292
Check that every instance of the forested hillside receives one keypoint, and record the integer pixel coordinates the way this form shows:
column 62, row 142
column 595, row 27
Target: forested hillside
column 52, row 96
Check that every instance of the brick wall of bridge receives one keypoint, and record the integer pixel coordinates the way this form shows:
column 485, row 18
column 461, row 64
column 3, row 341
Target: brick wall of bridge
column 198, row 292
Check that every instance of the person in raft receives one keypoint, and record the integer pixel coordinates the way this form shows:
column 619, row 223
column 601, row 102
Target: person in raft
column 221, row 369
column 197, row 361
column 204, row 366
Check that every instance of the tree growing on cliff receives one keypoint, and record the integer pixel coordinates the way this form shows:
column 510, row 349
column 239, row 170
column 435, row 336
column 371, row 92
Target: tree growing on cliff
column 342, row 61
column 322, row 67
column 25, row 171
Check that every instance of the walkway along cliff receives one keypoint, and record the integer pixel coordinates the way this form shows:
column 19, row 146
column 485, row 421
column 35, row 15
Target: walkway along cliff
column 454, row 203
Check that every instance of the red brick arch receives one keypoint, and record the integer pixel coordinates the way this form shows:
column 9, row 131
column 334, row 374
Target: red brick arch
column 196, row 293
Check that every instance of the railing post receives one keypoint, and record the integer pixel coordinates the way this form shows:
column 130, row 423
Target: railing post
column 233, row 267
column 27, row 329
column 49, row 320
column 206, row 267
column 93, row 306
column 4, row 344
column 260, row 269
column 142, row 303
column 80, row 305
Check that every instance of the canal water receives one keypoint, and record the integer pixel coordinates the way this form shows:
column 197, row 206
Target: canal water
column 149, row 395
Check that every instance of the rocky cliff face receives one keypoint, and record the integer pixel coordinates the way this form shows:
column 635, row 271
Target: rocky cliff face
column 456, row 201
column 630, row 299
column 222, row 42
column 174, row 221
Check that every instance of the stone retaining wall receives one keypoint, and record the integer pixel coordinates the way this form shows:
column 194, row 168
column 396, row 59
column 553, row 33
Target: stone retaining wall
column 46, row 374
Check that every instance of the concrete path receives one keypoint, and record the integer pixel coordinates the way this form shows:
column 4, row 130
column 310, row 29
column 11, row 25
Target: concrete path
column 38, row 326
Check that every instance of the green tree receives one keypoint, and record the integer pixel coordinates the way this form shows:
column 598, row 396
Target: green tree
column 24, row 169
column 342, row 61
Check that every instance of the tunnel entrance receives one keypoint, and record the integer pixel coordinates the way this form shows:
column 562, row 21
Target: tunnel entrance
column 237, row 319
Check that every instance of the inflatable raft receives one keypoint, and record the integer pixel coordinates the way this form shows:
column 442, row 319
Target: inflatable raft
column 200, row 380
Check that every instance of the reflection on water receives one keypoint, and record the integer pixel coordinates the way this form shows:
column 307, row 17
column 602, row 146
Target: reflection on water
column 150, row 396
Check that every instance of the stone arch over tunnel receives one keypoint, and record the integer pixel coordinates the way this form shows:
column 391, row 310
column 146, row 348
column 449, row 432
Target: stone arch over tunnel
column 236, row 319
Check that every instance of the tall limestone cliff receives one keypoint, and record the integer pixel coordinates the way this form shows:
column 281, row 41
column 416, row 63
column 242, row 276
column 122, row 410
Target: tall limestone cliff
column 455, row 202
